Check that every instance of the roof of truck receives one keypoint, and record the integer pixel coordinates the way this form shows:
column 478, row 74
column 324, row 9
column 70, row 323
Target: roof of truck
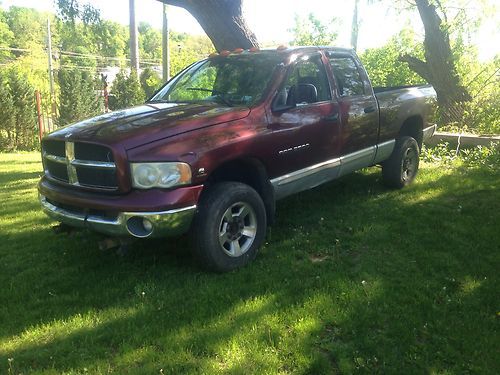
column 284, row 51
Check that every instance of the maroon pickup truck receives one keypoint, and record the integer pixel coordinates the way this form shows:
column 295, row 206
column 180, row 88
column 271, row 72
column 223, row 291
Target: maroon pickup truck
column 214, row 148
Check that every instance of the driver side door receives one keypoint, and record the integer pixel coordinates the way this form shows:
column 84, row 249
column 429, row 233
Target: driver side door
column 305, row 127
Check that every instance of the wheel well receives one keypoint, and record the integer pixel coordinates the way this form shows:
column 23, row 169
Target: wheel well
column 413, row 127
column 251, row 172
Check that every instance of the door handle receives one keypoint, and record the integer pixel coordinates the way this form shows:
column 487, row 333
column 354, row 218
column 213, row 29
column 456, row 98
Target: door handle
column 369, row 109
column 332, row 117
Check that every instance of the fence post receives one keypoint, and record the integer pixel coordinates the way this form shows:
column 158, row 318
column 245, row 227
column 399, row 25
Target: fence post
column 39, row 113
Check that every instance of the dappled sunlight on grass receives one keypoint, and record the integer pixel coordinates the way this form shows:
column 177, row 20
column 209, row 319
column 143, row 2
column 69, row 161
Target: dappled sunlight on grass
column 353, row 278
column 58, row 330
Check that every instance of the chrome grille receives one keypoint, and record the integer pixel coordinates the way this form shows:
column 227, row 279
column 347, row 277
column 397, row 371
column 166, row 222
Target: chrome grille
column 80, row 164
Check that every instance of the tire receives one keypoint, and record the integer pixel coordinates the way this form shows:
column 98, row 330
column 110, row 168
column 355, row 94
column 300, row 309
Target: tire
column 229, row 227
column 402, row 166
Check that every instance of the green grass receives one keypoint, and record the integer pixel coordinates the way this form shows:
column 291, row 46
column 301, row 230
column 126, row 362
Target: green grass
column 353, row 278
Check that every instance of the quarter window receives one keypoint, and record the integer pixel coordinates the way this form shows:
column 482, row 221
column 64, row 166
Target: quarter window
column 347, row 75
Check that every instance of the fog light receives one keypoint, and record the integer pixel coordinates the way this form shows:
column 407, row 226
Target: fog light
column 139, row 226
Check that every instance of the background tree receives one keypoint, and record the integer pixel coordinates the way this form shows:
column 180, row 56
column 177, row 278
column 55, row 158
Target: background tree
column 384, row 66
column 222, row 20
column 310, row 31
column 126, row 91
column 78, row 96
column 150, row 82
column 438, row 65
column 23, row 97
column 7, row 114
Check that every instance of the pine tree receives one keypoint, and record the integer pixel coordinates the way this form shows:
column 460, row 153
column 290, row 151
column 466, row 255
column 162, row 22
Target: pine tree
column 126, row 91
column 7, row 114
column 23, row 95
column 78, row 99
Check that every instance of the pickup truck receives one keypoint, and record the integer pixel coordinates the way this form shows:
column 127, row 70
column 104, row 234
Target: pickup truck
column 211, row 152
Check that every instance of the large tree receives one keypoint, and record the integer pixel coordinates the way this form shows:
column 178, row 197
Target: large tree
column 222, row 20
column 438, row 66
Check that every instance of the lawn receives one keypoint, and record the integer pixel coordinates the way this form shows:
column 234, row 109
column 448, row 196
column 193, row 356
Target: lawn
column 353, row 278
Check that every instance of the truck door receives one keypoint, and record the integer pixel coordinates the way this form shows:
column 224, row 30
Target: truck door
column 359, row 108
column 303, row 117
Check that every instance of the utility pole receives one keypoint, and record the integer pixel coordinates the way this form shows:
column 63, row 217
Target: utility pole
column 355, row 26
column 134, row 42
column 51, row 70
column 165, row 51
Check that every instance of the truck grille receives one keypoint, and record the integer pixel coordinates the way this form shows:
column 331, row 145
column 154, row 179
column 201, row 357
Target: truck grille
column 80, row 164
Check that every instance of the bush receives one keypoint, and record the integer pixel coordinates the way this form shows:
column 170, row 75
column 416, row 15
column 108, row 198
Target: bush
column 78, row 98
column 126, row 91
column 479, row 156
column 17, row 115
column 7, row 114
column 150, row 82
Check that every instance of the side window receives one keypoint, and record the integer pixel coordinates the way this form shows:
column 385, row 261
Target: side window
column 347, row 76
column 307, row 83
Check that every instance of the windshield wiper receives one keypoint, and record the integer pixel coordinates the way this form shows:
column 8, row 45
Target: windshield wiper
column 219, row 94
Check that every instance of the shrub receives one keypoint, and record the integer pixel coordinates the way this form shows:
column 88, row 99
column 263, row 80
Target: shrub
column 78, row 98
column 150, row 82
column 126, row 91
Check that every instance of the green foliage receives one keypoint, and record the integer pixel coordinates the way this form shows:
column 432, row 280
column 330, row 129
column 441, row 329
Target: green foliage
column 126, row 91
column 17, row 118
column 310, row 31
column 150, row 41
column 6, row 38
column 383, row 65
column 186, row 49
column 7, row 114
column 150, row 82
column 478, row 156
column 78, row 96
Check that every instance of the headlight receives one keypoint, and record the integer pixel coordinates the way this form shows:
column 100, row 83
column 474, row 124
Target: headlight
column 159, row 175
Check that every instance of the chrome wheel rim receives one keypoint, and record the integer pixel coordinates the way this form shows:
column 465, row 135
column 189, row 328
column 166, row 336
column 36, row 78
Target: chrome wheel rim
column 409, row 164
column 237, row 229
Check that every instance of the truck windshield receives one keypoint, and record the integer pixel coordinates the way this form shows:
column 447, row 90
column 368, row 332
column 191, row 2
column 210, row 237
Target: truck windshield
column 235, row 80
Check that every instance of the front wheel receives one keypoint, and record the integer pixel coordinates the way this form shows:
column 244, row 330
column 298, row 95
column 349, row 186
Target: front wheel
column 229, row 227
column 402, row 166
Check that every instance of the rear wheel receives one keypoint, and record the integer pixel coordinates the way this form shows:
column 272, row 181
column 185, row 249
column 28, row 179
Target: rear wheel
column 402, row 166
column 229, row 227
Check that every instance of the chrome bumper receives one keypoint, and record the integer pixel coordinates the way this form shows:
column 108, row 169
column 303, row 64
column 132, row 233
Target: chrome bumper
column 429, row 132
column 161, row 224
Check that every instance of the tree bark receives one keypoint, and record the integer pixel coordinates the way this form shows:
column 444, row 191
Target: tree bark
column 222, row 20
column 439, row 68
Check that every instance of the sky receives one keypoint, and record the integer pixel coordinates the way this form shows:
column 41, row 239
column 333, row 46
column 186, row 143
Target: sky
column 272, row 19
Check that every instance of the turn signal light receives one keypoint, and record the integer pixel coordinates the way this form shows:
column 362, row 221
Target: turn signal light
column 225, row 53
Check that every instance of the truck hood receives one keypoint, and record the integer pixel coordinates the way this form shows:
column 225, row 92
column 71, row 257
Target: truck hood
column 137, row 126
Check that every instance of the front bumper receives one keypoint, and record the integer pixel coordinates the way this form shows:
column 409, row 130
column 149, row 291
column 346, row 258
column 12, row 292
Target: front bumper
column 149, row 213
column 161, row 224
column 429, row 132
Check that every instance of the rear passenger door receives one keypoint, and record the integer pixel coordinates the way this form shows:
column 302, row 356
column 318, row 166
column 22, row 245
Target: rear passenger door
column 360, row 120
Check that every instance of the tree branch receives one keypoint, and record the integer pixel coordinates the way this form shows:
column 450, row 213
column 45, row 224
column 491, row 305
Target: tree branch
column 417, row 65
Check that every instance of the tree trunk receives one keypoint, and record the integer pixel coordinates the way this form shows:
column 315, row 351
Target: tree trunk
column 222, row 20
column 438, row 68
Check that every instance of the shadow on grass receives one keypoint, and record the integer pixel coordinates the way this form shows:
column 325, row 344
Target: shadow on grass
column 354, row 278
